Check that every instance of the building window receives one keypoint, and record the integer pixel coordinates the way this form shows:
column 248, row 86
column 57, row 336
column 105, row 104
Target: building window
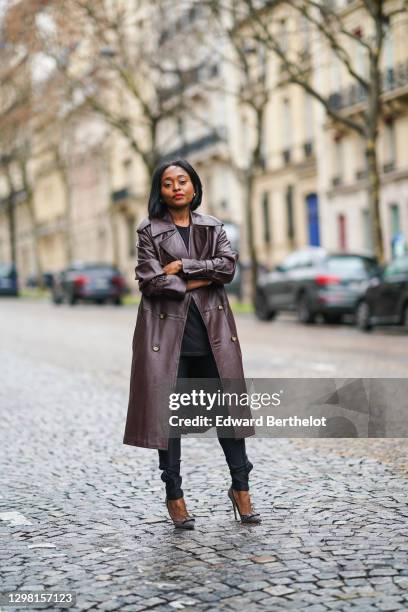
column 305, row 30
column 283, row 35
column 342, row 232
column 266, row 218
column 287, row 125
column 362, row 65
column 335, row 72
column 131, row 229
column 338, row 161
column 389, row 145
column 308, row 121
column 289, row 213
column 367, row 229
column 395, row 222
column 388, row 49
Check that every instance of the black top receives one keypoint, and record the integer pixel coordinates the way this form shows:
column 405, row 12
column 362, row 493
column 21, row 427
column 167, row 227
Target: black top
column 195, row 339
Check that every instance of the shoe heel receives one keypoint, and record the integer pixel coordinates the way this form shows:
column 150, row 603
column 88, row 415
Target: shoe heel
column 230, row 495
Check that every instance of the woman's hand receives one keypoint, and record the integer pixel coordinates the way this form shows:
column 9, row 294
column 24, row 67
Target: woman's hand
column 173, row 267
column 198, row 282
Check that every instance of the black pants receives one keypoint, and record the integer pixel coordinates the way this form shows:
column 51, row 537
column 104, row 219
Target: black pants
column 203, row 366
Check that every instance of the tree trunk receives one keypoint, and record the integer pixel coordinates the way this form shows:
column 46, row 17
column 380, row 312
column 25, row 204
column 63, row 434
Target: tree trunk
column 374, row 199
column 69, row 251
column 34, row 231
column 11, row 218
column 249, row 189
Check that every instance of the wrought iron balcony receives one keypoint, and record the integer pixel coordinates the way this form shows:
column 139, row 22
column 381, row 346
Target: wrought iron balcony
column 391, row 80
column 389, row 166
column 361, row 174
column 193, row 76
column 120, row 194
column 337, row 180
column 286, row 154
column 308, row 148
column 198, row 144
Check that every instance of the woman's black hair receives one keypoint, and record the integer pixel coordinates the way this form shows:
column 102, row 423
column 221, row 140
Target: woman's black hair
column 156, row 206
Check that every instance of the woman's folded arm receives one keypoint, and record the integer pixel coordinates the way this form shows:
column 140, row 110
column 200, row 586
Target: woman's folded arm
column 220, row 268
column 151, row 277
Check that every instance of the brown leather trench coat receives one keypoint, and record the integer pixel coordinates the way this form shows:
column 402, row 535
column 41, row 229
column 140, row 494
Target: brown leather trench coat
column 162, row 316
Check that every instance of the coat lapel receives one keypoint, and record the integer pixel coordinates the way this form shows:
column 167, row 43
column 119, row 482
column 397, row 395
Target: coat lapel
column 170, row 240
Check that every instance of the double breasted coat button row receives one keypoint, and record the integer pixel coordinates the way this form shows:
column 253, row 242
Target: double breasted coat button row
column 156, row 347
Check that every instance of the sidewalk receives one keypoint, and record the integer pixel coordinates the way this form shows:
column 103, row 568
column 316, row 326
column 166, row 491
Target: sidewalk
column 89, row 513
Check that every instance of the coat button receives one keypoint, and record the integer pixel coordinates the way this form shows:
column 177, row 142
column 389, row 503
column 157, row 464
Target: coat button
column 220, row 307
column 234, row 338
column 156, row 347
column 162, row 316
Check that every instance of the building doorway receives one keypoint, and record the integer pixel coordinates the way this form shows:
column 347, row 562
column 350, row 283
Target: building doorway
column 312, row 205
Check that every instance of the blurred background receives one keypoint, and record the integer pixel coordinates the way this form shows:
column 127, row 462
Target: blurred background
column 295, row 115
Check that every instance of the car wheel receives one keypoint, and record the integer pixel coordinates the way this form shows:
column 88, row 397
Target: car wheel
column 118, row 301
column 262, row 312
column 305, row 314
column 72, row 300
column 363, row 321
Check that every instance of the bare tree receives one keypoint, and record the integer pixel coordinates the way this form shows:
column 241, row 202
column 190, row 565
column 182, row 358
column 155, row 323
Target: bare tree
column 108, row 55
column 328, row 23
column 16, row 115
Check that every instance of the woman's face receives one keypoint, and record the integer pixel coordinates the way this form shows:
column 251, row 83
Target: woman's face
column 177, row 190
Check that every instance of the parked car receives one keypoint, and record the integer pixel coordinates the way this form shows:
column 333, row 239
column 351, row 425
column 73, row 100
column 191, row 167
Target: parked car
column 313, row 281
column 98, row 282
column 385, row 301
column 32, row 281
column 8, row 279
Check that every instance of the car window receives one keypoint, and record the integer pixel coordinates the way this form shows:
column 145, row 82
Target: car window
column 5, row 268
column 398, row 266
column 355, row 266
column 304, row 259
column 291, row 261
column 101, row 271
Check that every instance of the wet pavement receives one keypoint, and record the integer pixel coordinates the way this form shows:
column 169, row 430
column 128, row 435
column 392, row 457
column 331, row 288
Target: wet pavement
column 81, row 511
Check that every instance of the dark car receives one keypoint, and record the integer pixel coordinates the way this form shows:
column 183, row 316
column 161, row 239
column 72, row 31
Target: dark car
column 313, row 282
column 97, row 282
column 385, row 301
column 47, row 278
column 8, row 279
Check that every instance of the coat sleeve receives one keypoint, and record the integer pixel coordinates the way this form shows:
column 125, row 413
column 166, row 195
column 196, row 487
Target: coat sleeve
column 220, row 268
column 151, row 278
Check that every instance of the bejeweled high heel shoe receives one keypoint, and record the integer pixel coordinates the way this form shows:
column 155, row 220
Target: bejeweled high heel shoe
column 186, row 523
column 252, row 518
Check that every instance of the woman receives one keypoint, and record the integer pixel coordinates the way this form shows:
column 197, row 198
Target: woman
column 184, row 329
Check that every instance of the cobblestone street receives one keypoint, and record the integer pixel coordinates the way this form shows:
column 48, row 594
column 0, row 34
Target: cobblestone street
column 81, row 511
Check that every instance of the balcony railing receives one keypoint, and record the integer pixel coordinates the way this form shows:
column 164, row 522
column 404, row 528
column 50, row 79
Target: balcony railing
column 391, row 79
column 286, row 154
column 194, row 76
column 196, row 145
column 308, row 148
column 389, row 166
column 361, row 174
column 120, row 194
